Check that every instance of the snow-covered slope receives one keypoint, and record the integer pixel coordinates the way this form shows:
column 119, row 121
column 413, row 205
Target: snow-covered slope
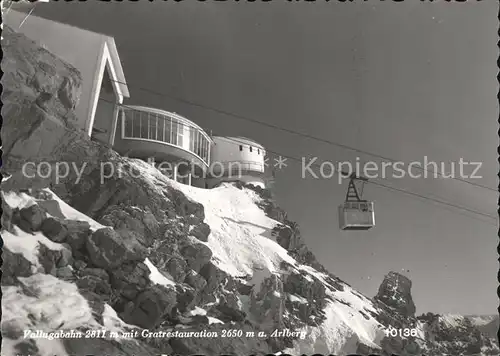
column 243, row 244
column 326, row 315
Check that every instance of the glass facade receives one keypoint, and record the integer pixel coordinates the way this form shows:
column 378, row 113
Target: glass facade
column 164, row 128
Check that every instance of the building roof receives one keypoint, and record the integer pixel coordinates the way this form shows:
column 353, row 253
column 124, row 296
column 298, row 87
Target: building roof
column 15, row 19
column 117, row 64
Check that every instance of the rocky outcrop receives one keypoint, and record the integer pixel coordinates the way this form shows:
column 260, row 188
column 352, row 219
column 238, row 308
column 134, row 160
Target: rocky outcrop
column 267, row 303
column 108, row 249
column 150, row 307
column 14, row 265
column 39, row 95
column 395, row 292
column 141, row 224
column 287, row 232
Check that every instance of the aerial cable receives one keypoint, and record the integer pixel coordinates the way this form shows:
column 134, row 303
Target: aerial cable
column 404, row 191
column 305, row 135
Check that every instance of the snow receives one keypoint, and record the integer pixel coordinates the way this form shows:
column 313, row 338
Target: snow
column 338, row 334
column 481, row 320
column 242, row 244
column 73, row 214
column 53, row 305
column 369, row 331
column 27, row 244
column 156, row 276
column 212, row 320
column 23, row 200
column 240, row 231
column 112, row 321
column 297, row 298
column 343, row 327
column 451, row 320
column 198, row 311
column 17, row 200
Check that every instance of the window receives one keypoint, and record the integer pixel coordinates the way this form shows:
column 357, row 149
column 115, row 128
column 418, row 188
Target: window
column 152, row 119
column 143, row 123
column 196, row 144
column 128, row 122
column 192, row 139
column 258, row 151
column 173, row 138
column 202, row 146
column 241, row 148
column 180, row 134
column 205, row 149
column 250, row 148
column 199, row 143
column 160, row 128
column 167, row 131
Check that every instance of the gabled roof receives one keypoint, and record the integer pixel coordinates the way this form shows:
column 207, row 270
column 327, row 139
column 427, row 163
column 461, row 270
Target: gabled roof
column 117, row 64
column 15, row 18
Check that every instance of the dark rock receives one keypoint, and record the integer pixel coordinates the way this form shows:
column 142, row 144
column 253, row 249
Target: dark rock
column 287, row 237
column 51, row 207
column 27, row 347
column 54, row 229
column 32, row 218
column 76, row 241
column 196, row 255
column 107, row 249
column 213, row 275
column 141, row 224
column 244, row 289
column 65, row 273
column 184, row 206
column 305, row 286
column 130, row 279
column 228, row 313
column 77, row 226
column 185, row 299
column 267, row 304
column 201, row 232
column 66, row 256
column 95, row 285
column 195, row 280
column 79, row 265
column 150, row 307
column 14, row 265
column 53, row 259
column 177, row 267
column 96, row 272
column 192, row 220
column 78, row 232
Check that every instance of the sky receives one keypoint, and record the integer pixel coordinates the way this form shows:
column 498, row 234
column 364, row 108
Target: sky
column 400, row 80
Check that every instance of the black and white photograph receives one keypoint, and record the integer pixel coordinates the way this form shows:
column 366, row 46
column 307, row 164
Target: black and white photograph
column 280, row 177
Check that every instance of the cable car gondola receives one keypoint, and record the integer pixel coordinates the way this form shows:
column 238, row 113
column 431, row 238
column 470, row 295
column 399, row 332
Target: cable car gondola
column 356, row 213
